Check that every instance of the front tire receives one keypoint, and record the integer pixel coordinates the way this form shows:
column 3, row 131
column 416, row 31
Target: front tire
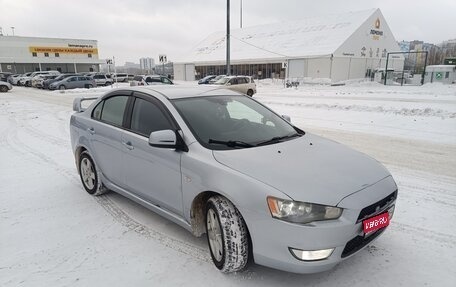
column 62, row 87
column 89, row 175
column 3, row 89
column 227, row 235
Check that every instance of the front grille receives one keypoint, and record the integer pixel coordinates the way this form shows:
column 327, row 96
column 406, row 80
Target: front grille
column 359, row 242
column 377, row 207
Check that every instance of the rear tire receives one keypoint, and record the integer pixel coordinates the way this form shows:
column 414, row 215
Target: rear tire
column 3, row 89
column 227, row 235
column 250, row 93
column 89, row 175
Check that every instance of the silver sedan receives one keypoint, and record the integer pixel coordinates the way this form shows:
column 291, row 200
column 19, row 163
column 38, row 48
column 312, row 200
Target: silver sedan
column 220, row 163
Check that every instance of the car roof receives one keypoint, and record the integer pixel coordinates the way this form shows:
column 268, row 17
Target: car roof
column 179, row 92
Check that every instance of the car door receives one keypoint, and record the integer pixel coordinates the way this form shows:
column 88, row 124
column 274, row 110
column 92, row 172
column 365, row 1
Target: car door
column 242, row 85
column 71, row 83
column 233, row 84
column 104, row 133
column 151, row 173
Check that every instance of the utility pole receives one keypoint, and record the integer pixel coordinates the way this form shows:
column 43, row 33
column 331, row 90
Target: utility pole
column 241, row 14
column 228, row 68
column 12, row 28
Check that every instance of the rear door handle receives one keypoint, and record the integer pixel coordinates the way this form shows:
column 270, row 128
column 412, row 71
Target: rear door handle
column 128, row 145
column 91, row 130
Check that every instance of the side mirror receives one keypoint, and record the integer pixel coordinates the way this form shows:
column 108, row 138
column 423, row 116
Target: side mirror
column 228, row 84
column 163, row 139
column 287, row 118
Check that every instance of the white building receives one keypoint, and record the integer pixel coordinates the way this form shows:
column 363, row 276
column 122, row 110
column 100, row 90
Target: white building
column 336, row 47
column 28, row 54
column 147, row 64
column 440, row 74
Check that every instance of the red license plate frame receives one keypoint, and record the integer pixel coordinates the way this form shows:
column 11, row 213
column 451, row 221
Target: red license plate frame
column 375, row 223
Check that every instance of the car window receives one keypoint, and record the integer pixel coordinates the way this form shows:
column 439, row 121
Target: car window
column 165, row 80
column 96, row 113
column 233, row 81
column 239, row 111
column 242, row 81
column 154, row 80
column 137, row 78
column 147, row 117
column 72, row 79
column 231, row 118
column 113, row 110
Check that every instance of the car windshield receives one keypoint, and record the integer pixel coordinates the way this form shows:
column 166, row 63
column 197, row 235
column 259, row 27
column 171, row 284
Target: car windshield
column 228, row 122
column 222, row 81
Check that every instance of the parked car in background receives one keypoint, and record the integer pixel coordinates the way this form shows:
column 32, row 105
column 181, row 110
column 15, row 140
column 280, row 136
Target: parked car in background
column 17, row 80
column 74, row 82
column 5, row 86
column 206, row 80
column 27, row 81
column 37, row 81
column 242, row 84
column 12, row 78
column 213, row 80
column 119, row 77
column 4, row 76
column 60, row 77
column 144, row 80
column 218, row 162
column 102, row 80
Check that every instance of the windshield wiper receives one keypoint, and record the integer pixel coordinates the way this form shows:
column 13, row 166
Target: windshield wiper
column 278, row 139
column 231, row 143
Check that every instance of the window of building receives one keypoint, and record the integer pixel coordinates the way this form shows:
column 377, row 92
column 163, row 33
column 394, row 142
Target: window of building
column 46, row 54
column 89, row 55
column 447, row 75
column 57, row 55
column 34, row 54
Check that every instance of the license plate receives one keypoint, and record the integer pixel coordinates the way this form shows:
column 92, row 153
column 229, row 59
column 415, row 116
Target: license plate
column 375, row 223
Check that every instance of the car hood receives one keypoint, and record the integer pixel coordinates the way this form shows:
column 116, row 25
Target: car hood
column 309, row 168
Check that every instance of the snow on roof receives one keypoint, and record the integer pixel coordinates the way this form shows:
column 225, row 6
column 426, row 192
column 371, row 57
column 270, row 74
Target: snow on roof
column 315, row 36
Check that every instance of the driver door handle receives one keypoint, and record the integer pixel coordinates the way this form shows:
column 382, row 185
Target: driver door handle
column 91, row 130
column 128, row 145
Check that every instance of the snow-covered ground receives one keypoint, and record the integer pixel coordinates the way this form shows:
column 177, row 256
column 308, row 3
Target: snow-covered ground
column 52, row 233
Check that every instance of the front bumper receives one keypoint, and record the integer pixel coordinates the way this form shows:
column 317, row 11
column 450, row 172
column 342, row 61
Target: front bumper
column 272, row 238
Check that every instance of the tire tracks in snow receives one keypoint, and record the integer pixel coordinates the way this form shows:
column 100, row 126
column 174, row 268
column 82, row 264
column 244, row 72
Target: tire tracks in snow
column 12, row 141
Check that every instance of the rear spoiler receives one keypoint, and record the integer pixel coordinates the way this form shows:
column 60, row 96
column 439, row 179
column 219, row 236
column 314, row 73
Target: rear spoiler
column 77, row 107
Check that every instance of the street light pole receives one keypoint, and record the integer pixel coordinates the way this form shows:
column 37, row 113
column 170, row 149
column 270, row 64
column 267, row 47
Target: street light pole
column 241, row 14
column 228, row 68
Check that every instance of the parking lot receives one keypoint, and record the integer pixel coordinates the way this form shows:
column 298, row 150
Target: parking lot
column 54, row 234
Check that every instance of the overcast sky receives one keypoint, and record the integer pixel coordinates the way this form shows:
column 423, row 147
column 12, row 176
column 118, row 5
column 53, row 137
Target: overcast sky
column 130, row 30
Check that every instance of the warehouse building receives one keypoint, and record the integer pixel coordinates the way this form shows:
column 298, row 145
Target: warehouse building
column 28, row 54
column 334, row 47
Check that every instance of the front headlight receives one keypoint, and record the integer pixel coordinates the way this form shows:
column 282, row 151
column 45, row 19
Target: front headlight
column 301, row 212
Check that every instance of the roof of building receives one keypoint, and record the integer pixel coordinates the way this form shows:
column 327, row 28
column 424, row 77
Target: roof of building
column 315, row 36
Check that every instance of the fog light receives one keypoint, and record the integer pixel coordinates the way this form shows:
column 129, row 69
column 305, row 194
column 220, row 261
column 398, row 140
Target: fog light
column 311, row 255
